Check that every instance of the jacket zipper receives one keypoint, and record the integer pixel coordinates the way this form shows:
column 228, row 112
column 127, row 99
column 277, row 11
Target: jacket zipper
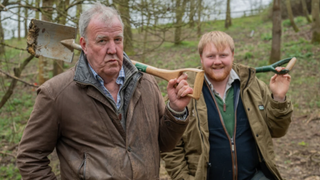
column 202, row 138
column 233, row 144
column 231, row 140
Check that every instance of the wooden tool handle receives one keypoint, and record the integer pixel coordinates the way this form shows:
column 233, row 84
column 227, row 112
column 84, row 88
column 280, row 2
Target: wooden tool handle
column 171, row 74
column 291, row 63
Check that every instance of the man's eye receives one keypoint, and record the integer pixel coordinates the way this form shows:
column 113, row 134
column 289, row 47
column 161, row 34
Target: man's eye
column 101, row 40
column 117, row 39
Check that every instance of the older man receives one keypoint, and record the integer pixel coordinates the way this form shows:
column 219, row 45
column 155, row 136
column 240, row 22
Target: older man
column 106, row 119
column 231, row 126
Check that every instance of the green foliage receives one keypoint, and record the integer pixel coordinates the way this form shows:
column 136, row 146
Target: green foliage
column 302, row 143
column 9, row 171
column 248, row 55
column 300, row 21
column 266, row 36
column 286, row 22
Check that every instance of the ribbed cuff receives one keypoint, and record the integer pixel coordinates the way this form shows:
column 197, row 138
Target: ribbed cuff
column 176, row 112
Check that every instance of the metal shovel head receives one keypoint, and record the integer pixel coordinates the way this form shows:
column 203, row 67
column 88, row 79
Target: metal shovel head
column 44, row 40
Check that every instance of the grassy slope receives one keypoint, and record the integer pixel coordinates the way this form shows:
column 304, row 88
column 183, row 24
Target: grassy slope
column 253, row 51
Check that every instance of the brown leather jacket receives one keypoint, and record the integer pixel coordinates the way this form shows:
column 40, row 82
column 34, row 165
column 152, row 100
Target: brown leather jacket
column 73, row 116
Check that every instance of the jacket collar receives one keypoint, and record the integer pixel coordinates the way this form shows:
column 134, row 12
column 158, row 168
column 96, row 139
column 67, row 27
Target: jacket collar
column 84, row 75
column 246, row 74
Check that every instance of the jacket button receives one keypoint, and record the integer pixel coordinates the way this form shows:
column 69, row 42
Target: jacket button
column 257, row 135
column 248, row 109
column 129, row 149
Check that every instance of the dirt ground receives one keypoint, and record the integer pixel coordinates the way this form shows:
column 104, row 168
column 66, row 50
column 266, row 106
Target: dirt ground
column 297, row 153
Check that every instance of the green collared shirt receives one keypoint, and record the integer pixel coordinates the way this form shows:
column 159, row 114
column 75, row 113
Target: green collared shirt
column 226, row 104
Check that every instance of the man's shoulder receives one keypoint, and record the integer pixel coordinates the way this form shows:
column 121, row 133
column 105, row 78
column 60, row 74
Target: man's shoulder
column 147, row 78
column 59, row 82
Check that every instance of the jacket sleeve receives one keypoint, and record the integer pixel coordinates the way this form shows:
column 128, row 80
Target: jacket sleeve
column 278, row 113
column 176, row 164
column 39, row 139
column 171, row 129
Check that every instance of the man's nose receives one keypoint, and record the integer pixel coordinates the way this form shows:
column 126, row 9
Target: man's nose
column 217, row 60
column 111, row 49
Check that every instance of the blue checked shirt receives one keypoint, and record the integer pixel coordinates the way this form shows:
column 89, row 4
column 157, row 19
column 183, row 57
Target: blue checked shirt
column 119, row 81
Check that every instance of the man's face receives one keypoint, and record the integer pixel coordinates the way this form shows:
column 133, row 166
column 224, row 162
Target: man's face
column 217, row 65
column 104, row 47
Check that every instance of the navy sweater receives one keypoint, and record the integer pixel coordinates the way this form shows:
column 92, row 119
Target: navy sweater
column 230, row 157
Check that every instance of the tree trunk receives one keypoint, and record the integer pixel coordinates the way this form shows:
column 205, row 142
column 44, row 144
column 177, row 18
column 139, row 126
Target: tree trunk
column 26, row 20
column 290, row 14
column 192, row 13
column 305, row 10
column 37, row 3
column 19, row 21
column 2, row 49
column 228, row 22
column 78, row 13
column 125, row 15
column 180, row 9
column 43, row 62
column 58, row 64
column 276, row 32
column 199, row 18
column 315, row 22
column 145, row 36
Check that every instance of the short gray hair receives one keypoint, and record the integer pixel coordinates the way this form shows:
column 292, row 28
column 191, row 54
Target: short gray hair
column 105, row 13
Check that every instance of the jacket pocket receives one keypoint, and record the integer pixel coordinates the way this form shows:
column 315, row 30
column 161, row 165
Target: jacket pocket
column 82, row 167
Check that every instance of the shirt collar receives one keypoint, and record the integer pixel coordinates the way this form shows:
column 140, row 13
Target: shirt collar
column 233, row 76
column 119, row 80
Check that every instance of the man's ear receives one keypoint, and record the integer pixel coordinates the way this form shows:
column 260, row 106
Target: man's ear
column 83, row 44
column 201, row 58
column 232, row 56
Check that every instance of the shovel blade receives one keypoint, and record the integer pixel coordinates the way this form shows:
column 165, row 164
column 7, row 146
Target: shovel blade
column 44, row 40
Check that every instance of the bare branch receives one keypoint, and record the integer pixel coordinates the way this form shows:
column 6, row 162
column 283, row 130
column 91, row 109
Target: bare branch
column 12, row 46
column 16, row 78
column 17, row 73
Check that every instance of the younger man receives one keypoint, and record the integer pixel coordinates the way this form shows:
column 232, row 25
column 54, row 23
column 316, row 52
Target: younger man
column 231, row 126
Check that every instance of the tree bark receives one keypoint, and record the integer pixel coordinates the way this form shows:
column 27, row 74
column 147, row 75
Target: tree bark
column 43, row 62
column 315, row 22
column 276, row 32
column 192, row 13
column 78, row 13
column 180, row 10
column 19, row 21
column 58, row 64
column 124, row 10
column 228, row 22
column 199, row 18
column 26, row 20
column 146, row 29
column 305, row 11
column 290, row 14
column 37, row 3
column 2, row 49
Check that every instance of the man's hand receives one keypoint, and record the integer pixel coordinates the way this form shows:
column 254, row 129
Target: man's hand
column 279, row 85
column 177, row 92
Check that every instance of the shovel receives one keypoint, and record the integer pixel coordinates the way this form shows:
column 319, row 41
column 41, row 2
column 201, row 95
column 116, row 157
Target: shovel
column 57, row 42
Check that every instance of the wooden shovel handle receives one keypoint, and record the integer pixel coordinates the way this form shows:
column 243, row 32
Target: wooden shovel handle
column 171, row 74
column 291, row 63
